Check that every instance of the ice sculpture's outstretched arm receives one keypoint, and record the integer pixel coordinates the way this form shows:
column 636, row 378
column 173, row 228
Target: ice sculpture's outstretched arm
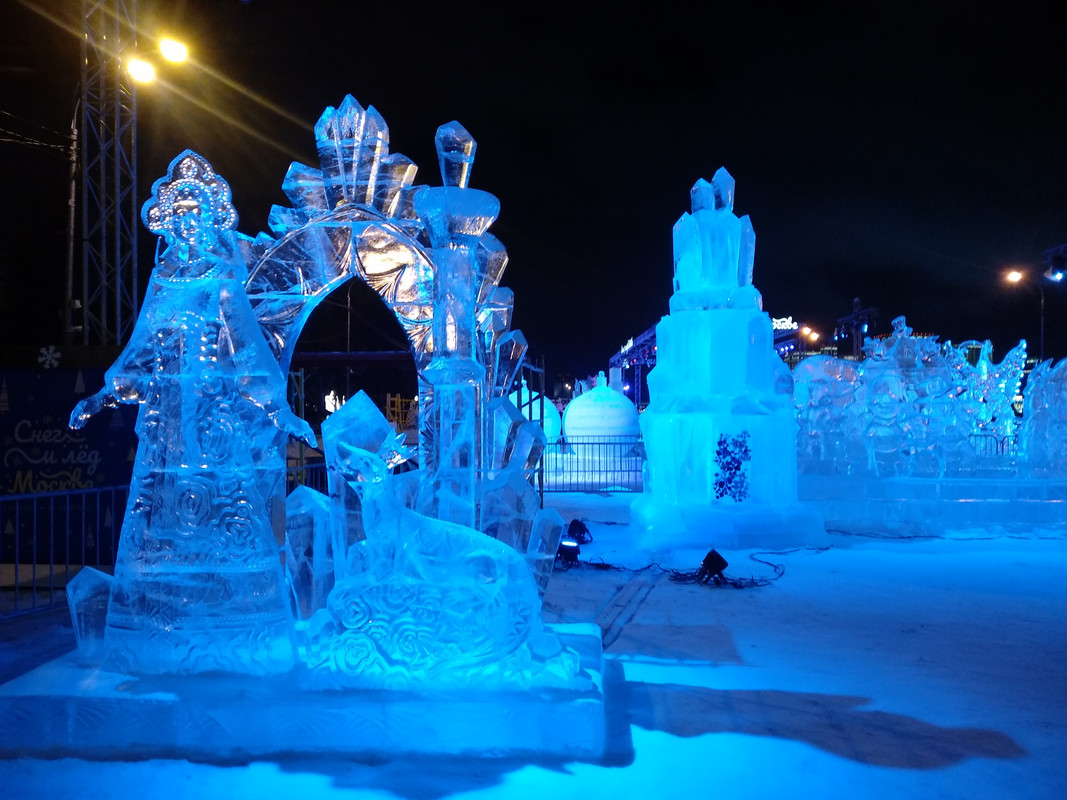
column 287, row 421
column 92, row 405
column 127, row 380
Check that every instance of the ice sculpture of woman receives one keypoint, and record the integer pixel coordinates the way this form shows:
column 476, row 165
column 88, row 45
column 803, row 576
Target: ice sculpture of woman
column 198, row 585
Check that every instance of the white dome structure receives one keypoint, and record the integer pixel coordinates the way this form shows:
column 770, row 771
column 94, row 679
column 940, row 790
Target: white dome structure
column 553, row 424
column 602, row 411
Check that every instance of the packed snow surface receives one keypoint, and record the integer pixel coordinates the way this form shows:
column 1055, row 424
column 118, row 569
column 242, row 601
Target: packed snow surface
column 923, row 667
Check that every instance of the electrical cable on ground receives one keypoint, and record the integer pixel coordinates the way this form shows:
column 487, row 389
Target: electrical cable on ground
column 700, row 575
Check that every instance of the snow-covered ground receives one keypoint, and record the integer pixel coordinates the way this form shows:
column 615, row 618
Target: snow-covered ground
column 926, row 668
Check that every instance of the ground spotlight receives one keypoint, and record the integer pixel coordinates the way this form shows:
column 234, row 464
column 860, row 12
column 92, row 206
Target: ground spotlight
column 568, row 553
column 711, row 568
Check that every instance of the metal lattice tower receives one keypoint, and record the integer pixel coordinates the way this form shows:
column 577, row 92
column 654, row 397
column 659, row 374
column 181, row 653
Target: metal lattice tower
column 110, row 296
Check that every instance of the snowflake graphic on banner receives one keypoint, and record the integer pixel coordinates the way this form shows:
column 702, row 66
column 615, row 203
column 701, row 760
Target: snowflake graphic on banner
column 49, row 357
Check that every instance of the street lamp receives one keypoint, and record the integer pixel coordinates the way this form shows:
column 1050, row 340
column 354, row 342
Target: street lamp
column 140, row 70
column 173, row 50
column 144, row 71
column 1016, row 276
column 807, row 336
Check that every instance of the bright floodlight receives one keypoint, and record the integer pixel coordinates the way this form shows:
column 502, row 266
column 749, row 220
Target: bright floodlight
column 140, row 70
column 1014, row 276
column 1054, row 274
column 813, row 336
column 173, row 50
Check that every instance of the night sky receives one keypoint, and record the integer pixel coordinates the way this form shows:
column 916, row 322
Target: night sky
column 901, row 153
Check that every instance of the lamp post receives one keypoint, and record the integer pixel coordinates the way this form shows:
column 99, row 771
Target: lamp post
column 1016, row 276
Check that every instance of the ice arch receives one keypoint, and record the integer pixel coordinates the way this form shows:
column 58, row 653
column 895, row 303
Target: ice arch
column 354, row 218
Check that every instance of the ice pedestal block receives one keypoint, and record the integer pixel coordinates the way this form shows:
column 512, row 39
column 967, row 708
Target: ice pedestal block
column 64, row 710
column 719, row 431
column 509, row 352
column 938, row 507
column 308, row 549
column 88, row 593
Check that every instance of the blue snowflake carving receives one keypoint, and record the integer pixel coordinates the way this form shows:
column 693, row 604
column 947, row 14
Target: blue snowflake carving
column 731, row 455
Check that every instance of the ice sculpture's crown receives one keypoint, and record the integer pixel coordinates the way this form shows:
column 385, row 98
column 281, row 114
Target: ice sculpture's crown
column 191, row 204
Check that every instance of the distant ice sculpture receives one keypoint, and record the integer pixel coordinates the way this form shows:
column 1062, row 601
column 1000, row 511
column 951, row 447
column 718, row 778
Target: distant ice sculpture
column 989, row 389
column 921, row 439
column 198, row 585
column 719, row 431
column 1044, row 431
column 911, row 409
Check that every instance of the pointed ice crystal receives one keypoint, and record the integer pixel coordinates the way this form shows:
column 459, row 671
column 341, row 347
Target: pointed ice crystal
column 702, row 196
column 507, row 360
column 455, row 154
column 505, row 421
column 372, row 147
column 544, row 541
column 395, row 173
column 746, row 295
column 687, row 254
column 747, row 257
column 303, row 186
column 516, row 442
column 723, row 183
column 338, row 133
column 508, row 506
column 493, row 258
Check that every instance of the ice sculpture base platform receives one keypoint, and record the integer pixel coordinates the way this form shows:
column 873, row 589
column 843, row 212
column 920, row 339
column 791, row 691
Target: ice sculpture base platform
column 924, row 507
column 62, row 709
column 666, row 527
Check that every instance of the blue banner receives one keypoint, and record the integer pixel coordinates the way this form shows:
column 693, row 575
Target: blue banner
column 40, row 453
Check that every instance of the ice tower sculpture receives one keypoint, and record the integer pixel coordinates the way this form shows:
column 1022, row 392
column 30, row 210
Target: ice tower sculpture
column 198, row 585
column 719, row 431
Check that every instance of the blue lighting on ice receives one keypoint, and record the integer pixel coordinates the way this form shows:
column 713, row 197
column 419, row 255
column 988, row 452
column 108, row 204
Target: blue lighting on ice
column 429, row 580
